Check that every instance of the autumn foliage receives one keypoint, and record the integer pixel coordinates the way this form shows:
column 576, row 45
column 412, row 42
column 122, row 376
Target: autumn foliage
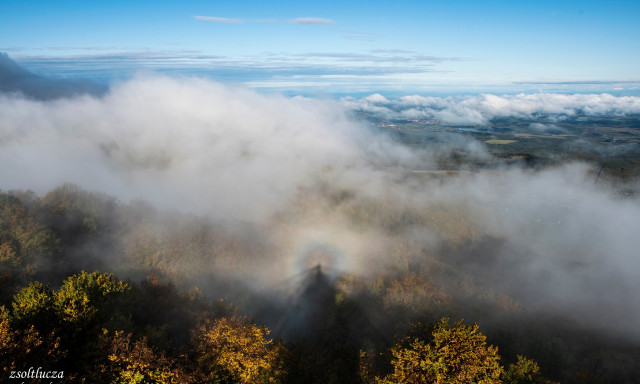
column 164, row 312
column 456, row 354
column 232, row 350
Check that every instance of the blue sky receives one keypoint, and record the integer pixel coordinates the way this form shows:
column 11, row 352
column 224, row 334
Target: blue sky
column 336, row 46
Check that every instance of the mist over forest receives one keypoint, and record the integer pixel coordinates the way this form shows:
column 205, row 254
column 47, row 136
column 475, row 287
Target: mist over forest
column 329, row 219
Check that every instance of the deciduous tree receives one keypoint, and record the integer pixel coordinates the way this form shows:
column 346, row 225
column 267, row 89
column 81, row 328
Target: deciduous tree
column 524, row 371
column 136, row 362
column 455, row 354
column 233, row 350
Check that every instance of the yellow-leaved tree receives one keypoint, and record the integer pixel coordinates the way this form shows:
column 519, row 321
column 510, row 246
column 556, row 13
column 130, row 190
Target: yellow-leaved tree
column 136, row 362
column 456, row 354
column 233, row 350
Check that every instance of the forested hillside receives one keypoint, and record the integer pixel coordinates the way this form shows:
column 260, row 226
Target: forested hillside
column 115, row 292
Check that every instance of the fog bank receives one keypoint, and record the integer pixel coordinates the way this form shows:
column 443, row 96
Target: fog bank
column 325, row 186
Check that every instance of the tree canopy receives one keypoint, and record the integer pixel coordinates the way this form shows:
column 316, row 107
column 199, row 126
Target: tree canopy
column 233, row 350
column 456, row 354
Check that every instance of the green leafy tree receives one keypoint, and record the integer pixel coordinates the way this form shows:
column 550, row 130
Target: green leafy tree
column 455, row 354
column 24, row 244
column 62, row 326
column 524, row 371
column 33, row 305
column 85, row 304
column 81, row 296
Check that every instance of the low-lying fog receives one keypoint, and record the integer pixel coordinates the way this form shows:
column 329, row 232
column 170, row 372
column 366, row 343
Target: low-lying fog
column 307, row 171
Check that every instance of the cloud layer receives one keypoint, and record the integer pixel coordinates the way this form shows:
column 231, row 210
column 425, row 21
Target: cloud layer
column 176, row 141
column 306, row 172
column 216, row 19
column 479, row 110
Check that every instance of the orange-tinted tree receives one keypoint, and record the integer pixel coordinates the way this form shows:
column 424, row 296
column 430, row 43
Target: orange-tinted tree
column 22, row 346
column 132, row 362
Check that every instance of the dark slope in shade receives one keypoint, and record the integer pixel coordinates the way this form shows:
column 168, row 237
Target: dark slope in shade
column 15, row 79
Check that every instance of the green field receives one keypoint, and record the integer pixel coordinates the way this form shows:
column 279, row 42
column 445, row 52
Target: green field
column 500, row 142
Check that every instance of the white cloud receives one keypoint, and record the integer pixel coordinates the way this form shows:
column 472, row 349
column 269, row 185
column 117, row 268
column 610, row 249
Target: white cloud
column 376, row 98
column 311, row 21
column 480, row 109
column 216, row 19
column 235, row 154
column 177, row 141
